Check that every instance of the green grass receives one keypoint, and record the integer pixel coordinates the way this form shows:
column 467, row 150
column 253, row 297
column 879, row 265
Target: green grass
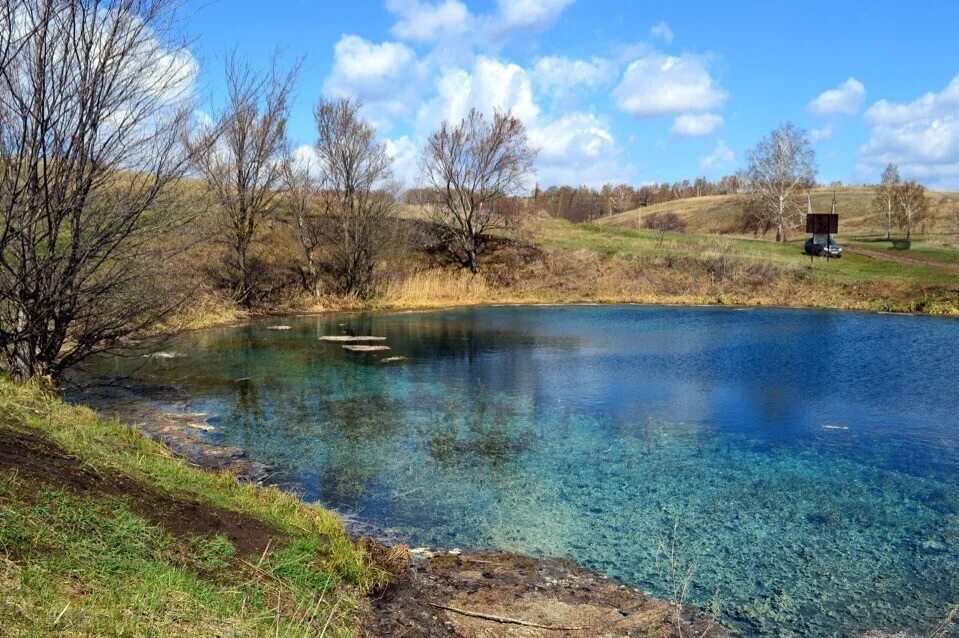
column 72, row 564
column 612, row 242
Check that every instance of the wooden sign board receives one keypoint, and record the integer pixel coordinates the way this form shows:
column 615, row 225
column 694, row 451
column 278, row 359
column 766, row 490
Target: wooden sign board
column 822, row 223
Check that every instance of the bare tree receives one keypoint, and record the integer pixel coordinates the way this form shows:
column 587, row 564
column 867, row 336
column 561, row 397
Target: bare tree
column 471, row 170
column 948, row 208
column 559, row 201
column 780, row 167
column 359, row 193
column 754, row 217
column 622, row 198
column 95, row 98
column 243, row 169
column 912, row 205
column 664, row 223
column 884, row 203
column 305, row 198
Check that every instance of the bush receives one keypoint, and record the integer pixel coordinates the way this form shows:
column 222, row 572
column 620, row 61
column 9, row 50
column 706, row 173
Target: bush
column 664, row 223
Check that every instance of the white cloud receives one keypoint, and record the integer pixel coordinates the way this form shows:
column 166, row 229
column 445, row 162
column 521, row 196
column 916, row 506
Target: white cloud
column 528, row 14
column 577, row 148
column 921, row 136
column 845, row 99
column 696, row 125
column 426, row 21
column 578, row 137
column 821, row 133
column 363, row 68
column 663, row 85
column 661, row 32
column 385, row 76
column 721, row 158
column 886, row 113
column 305, row 158
column 560, row 75
column 491, row 84
column 405, row 156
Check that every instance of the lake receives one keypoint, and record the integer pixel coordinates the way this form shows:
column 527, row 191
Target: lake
column 804, row 464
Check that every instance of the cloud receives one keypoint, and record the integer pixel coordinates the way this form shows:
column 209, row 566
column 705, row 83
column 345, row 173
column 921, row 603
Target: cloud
column 722, row 157
column 578, row 148
column 490, row 84
column 560, row 75
column 533, row 15
column 577, row 136
column 405, row 156
column 363, row 68
column 845, row 99
column 886, row 113
column 695, row 125
column 822, row 133
column 665, row 85
column 385, row 76
column 661, row 32
column 426, row 21
column 921, row 136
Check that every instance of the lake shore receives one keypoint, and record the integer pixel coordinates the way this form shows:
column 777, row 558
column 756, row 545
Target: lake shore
column 230, row 318
column 433, row 592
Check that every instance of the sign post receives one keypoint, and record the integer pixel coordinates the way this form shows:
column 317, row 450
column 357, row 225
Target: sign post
column 822, row 226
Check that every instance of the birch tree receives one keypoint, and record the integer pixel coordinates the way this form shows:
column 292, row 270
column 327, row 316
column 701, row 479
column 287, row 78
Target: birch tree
column 912, row 205
column 886, row 195
column 471, row 170
column 780, row 167
column 95, row 102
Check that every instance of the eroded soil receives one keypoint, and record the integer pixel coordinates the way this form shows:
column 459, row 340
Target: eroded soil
column 41, row 462
column 444, row 594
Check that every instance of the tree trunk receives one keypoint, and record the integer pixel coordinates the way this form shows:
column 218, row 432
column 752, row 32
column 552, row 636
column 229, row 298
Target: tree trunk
column 243, row 287
column 889, row 216
column 780, row 231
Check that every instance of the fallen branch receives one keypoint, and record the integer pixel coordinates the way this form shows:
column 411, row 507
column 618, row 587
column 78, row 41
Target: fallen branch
column 503, row 619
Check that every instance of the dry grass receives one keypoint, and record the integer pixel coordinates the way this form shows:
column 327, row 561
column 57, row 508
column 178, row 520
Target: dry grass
column 719, row 213
column 438, row 287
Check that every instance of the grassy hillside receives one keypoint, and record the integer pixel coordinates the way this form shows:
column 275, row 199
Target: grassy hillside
column 719, row 213
column 627, row 242
column 103, row 533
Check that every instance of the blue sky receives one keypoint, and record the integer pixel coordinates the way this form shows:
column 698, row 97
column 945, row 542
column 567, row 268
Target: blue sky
column 623, row 91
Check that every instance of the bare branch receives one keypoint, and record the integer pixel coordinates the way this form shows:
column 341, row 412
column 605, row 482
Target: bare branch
column 780, row 168
column 471, row 171
column 95, row 98
column 241, row 160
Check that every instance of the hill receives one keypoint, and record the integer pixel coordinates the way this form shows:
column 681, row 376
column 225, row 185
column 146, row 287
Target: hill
column 719, row 214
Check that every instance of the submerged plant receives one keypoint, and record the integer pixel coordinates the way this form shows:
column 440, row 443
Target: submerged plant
column 485, row 429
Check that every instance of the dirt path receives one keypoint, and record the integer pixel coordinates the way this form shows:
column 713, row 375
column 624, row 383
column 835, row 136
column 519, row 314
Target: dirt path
column 902, row 259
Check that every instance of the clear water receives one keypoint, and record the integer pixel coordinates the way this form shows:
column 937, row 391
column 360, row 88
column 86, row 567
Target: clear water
column 810, row 460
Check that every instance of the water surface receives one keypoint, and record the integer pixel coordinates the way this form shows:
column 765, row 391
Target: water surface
column 804, row 463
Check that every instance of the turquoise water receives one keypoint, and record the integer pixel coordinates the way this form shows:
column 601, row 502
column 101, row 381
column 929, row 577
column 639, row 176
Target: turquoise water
column 805, row 464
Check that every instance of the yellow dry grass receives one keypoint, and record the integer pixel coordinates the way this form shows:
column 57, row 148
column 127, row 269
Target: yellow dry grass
column 719, row 213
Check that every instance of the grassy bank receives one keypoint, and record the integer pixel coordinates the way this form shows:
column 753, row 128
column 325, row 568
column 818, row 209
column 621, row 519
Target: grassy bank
column 551, row 261
column 104, row 533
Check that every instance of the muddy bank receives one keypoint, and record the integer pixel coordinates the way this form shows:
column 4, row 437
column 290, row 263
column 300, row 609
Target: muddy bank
column 497, row 594
column 432, row 592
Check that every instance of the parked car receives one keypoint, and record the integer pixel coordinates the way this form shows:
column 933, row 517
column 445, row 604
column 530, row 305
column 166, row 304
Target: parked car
column 830, row 249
